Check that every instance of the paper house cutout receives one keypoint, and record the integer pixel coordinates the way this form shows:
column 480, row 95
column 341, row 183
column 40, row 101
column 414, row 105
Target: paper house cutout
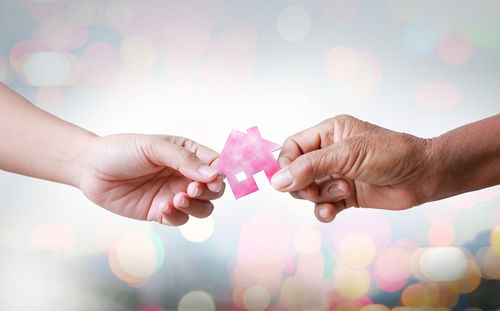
column 243, row 155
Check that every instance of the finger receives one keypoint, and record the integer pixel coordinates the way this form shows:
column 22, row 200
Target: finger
column 164, row 153
column 160, row 209
column 310, row 193
column 338, row 159
column 326, row 212
column 322, row 135
column 204, row 153
column 298, row 144
column 197, row 190
column 334, row 190
column 217, row 185
column 198, row 208
column 172, row 216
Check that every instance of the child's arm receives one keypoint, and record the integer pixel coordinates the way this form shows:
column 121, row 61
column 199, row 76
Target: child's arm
column 147, row 177
column 38, row 144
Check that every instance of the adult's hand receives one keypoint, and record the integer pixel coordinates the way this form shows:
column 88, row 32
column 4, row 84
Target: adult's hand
column 344, row 162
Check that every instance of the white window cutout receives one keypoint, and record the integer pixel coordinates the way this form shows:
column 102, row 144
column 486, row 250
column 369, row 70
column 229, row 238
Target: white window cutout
column 241, row 176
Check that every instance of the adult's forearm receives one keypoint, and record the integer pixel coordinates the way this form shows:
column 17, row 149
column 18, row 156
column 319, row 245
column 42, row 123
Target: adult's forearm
column 464, row 159
column 36, row 143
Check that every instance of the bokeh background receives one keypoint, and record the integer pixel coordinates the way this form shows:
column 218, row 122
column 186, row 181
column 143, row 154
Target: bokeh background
column 201, row 68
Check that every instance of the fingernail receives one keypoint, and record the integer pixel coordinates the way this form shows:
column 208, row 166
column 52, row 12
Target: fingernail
column 337, row 189
column 197, row 192
column 207, row 171
column 281, row 179
column 324, row 213
column 219, row 187
column 183, row 203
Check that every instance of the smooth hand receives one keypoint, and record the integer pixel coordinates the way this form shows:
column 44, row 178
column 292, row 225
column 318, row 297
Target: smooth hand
column 344, row 162
column 155, row 178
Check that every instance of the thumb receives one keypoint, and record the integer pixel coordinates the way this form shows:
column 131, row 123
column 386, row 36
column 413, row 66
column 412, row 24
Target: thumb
column 335, row 159
column 165, row 153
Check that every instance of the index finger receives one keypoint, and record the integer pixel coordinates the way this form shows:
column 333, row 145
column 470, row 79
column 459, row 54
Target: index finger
column 299, row 144
column 204, row 153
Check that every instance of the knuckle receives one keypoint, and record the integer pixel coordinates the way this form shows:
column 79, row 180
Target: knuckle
column 289, row 142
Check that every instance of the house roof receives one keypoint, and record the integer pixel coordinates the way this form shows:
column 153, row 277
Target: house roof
column 243, row 150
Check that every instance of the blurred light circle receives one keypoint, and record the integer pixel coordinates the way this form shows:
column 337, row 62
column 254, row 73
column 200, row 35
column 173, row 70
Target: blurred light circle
column 311, row 268
column 470, row 279
column 315, row 300
column 152, row 308
column 443, row 263
column 485, row 33
column 292, row 292
column 98, row 63
column 237, row 296
column 160, row 249
column 21, row 51
column 121, row 273
column 307, row 241
column 402, row 309
column 356, row 249
column 4, row 69
column 455, row 49
column 75, row 68
column 437, row 96
column 392, row 269
column 364, row 82
column 137, row 255
column 264, row 246
column 138, row 52
column 196, row 300
column 415, row 259
column 371, row 223
column 81, row 13
column 119, row 13
column 403, row 9
column 351, row 282
column 419, row 38
column 339, row 12
column 198, row 230
column 55, row 34
column 52, row 237
column 489, row 262
column 80, row 37
column 375, row 307
column 448, row 297
column 495, row 239
column 349, row 305
column 107, row 236
column 48, row 97
column 420, row 294
column 293, row 23
column 441, row 234
column 341, row 63
column 47, row 69
column 256, row 298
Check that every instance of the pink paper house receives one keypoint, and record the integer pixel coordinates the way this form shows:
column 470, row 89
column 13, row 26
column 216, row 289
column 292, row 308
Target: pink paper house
column 243, row 155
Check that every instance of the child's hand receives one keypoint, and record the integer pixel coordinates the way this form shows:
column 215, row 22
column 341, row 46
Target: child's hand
column 154, row 178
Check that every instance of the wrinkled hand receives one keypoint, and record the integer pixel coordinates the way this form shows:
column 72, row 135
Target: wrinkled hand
column 154, row 178
column 344, row 162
